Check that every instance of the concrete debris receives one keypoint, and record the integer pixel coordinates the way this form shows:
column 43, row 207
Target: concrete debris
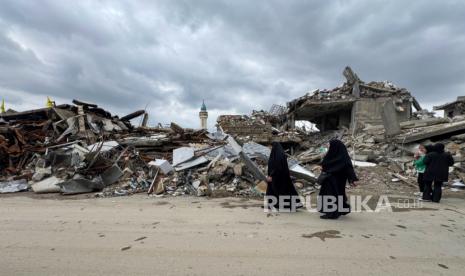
column 181, row 155
column 353, row 105
column 13, row 186
column 453, row 109
column 164, row 166
column 458, row 184
column 48, row 185
column 111, row 175
column 82, row 148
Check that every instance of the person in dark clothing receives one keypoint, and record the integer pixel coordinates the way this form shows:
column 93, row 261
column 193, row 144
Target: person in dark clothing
column 437, row 171
column 420, row 166
column 337, row 168
column 279, row 181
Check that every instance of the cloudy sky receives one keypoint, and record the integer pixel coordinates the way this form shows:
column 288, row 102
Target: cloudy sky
column 237, row 55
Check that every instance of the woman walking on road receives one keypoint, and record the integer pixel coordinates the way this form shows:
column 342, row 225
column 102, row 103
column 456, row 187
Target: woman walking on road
column 337, row 169
column 280, row 187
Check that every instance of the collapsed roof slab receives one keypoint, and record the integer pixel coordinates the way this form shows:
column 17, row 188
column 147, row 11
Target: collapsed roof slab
column 34, row 114
column 460, row 99
column 432, row 131
column 314, row 109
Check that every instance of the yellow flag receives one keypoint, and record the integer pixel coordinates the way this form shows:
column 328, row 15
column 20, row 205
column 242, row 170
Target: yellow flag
column 2, row 107
column 49, row 102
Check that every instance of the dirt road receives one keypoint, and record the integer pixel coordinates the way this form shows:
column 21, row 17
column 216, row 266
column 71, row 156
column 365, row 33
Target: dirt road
column 139, row 235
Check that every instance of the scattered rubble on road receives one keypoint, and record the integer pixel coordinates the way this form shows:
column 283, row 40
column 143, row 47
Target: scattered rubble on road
column 82, row 148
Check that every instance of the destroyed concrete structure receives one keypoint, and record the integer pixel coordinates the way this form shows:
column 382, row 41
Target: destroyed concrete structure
column 453, row 109
column 376, row 120
column 261, row 126
column 355, row 104
column 82, row 148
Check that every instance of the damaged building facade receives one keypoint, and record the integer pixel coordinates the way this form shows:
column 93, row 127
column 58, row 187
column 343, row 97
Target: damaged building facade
column 261, row 126
column 453, row 109
column 352, row 105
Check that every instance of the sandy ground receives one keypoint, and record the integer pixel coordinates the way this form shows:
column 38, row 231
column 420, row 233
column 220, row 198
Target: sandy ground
column 142, row 235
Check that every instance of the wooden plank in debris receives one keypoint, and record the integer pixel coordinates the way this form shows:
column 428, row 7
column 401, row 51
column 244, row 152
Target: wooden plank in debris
column 429, row 132
column 154, row 182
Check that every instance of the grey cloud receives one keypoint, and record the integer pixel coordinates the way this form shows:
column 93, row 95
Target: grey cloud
column 237, row 55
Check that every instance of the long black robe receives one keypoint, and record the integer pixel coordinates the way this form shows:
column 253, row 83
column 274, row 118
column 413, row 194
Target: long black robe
column 338, row 165
column 437, row 164
column 437, row 171
column 278, row 169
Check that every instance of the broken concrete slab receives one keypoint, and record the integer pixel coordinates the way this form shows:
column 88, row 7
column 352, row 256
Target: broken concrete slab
column 390, row 120
column 13, row 186
column 253, row 150
column 300, row 172
column 424, row 133
column 80, row 185
column 363, row 164
column 111, row 175
column 234, row 145
column 103, row 146
column 252, row 166
column 191, row 163
column 238, row 168
column 423, row 123
column 145, row 141
column 133, row 115
column 183, row 154
column 458, row 184
column 164, row 166
column 48, row 185
column 41, row 173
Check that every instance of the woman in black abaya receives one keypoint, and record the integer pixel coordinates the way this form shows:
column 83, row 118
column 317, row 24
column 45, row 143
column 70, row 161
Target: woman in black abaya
column 279, row 178
column 337, row 168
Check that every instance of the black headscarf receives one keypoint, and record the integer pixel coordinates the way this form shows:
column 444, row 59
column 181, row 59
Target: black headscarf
column 277, row 163
column 429, row 148
column 337, row 157
column 281, row 183
column 439, row 147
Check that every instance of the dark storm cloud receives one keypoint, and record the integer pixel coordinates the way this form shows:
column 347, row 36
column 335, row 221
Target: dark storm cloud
column 237, row 55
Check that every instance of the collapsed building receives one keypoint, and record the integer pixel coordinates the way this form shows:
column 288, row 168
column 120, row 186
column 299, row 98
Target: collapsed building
column 355, row 104
column 381, row 124
column 82, row 148
column 453, row 109
column 261, row 126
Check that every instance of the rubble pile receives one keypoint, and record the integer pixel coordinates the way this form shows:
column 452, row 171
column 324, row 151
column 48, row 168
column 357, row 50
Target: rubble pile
column 81, row 148
column 260, row 128
column 344, row 92
column 393, row 157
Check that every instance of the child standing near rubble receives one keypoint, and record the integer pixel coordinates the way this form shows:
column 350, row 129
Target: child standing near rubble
column 437, row 170
column 420, row 166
